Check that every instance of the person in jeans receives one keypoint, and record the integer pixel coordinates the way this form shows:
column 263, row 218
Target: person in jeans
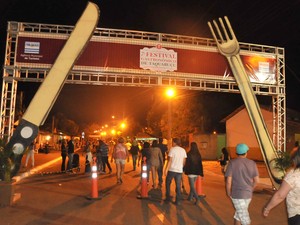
column 63, row 149
column 134, row 151
column 164, row 151
column 145, row 153
column 156, row 161
column 103, row 147
column 174, row 168
column 193, row 168
column 241, row 178
column 70, row 154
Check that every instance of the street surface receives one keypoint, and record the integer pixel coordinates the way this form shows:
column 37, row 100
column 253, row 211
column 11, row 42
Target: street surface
column 51, row 197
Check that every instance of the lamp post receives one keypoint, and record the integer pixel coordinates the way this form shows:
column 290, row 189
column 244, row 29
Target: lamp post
column 170, row 94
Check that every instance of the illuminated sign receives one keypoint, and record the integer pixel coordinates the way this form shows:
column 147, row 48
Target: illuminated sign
column 158, row 59
column 109, row 56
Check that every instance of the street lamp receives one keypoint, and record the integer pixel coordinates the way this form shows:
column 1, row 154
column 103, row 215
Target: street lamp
column 170, row 92
column 123, row 125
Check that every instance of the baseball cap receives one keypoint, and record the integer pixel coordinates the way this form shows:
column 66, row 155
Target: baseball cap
column 241, row 149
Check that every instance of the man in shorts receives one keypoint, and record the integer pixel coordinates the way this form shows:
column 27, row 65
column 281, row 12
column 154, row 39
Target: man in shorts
column 241, row 178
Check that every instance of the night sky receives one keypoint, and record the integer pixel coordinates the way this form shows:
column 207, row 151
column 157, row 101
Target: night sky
column 273, row 23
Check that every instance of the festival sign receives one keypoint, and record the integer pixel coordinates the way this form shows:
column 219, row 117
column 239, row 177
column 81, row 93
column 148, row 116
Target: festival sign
column 158, row 59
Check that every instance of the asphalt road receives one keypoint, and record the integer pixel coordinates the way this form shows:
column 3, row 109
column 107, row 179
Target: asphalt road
column 50, row 197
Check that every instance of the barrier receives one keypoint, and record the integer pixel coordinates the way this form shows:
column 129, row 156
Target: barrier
column 94, row 194
column 144, row 185
column 199, row 189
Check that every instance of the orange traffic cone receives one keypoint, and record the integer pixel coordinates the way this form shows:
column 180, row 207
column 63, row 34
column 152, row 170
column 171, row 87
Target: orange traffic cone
column 144, row 187
column 199, row 187
column 94, row 194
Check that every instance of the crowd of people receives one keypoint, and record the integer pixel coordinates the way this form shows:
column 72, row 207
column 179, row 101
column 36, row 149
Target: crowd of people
column 241, row 174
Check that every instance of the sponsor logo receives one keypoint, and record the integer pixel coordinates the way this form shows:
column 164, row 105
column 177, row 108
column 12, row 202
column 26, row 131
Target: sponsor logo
column 32, row 47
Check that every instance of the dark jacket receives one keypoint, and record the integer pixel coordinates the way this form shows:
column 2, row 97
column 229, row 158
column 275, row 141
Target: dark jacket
column 134, row 150
column 70, row 147
column 193, row 165
column 63, row 149
column 104, row 150
column 146, row 153
column 164, row 150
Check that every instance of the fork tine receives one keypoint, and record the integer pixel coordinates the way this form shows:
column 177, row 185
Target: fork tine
column 212, row 32
column 230, row 28
column 224, row 28
column 218, row 30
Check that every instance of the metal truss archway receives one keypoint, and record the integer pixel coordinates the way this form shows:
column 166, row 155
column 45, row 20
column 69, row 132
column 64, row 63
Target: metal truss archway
column 15, row 70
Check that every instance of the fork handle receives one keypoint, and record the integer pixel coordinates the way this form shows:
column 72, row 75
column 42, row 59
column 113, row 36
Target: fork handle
column 264, row 140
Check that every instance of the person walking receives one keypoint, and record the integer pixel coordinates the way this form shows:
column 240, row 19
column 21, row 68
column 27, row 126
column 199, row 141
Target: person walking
column 224, row 160
column 174, row 168
column 134, row 151
column 63, row 149
column 156, row 161
column 241, row 178
column 88, row 149
column 70, row 154
column 120, row 154
column 145, row 153
column 289, row 190
column 164, row 151
column 103, row 147
column 193, row 168
column 30, row 155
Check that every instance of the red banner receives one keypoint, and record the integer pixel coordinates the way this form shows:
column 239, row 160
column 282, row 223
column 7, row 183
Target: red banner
column 32, row 50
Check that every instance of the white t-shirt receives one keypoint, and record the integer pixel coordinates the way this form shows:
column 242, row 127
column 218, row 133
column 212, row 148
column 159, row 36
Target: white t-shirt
column 293, row 197
column 177, row 154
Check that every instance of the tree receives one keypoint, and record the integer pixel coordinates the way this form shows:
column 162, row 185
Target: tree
column 187, row 115
column 91, row 128
column 68, row 126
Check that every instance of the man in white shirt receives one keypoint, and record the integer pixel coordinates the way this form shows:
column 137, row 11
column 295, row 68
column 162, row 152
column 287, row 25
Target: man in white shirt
column 174, row 169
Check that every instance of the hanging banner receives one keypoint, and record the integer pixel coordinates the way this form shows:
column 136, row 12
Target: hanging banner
column 41, row 52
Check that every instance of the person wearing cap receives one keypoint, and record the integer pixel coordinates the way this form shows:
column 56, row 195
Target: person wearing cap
column 241, row 178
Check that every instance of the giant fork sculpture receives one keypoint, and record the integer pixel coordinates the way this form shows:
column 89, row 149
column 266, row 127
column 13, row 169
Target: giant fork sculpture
column 229, row 47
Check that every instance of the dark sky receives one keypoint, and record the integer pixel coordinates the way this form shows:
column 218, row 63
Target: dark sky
column 274, row 23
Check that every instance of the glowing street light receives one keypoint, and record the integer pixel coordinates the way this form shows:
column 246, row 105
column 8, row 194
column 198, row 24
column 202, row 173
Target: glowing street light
column 170, row 93
column 123, row 125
